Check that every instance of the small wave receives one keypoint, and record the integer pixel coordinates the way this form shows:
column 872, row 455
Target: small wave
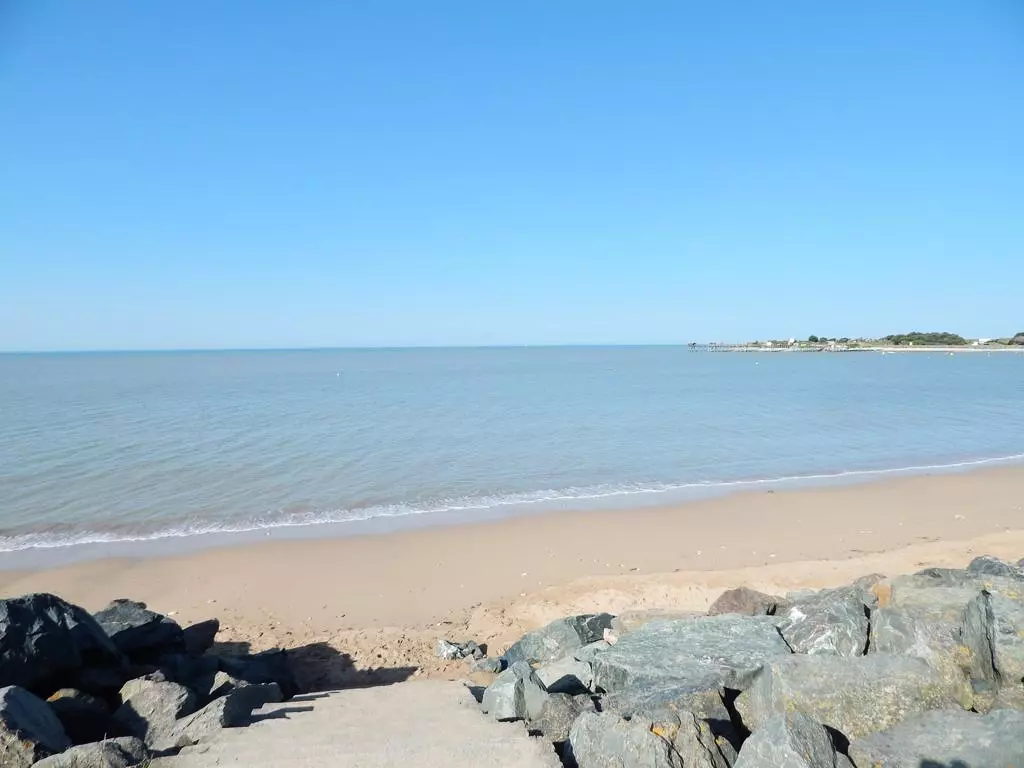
column 49, row 540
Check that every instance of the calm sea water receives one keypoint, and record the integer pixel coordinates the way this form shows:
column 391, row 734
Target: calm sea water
column 132, row 446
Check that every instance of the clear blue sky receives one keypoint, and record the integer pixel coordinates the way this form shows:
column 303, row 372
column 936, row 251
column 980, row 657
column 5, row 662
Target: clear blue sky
column 321, row 173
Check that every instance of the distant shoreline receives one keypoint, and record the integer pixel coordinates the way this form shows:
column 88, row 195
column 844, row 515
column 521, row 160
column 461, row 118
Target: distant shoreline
column 842, row 348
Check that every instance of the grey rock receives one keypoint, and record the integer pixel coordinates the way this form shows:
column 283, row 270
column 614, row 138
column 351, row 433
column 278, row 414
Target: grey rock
column 993, row 632
column 559, row 638
column 504, row 698
column 184, row 668
column 565, row 676
column 746, row 602
column 139, row 633
column 450, row 650
column 44, row 638
column 85, row 718
column 138, row 684
column 29, row 731
column 946, row 739
column 210, row 687
column 792, row 740
column 124, row 752
column 706, row 652
column 200, row 637
column 590, row 650
column 986, row 565
column 231, row 711
column 706, row 702
column 854, row 695
column 630, row 621
column 486, row 664
column 832, row 621
column 150, row 711
column 271, row 666
column 604, row 740
column 557, row 715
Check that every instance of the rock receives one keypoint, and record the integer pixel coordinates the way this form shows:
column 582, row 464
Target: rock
column 85, row 718
column 447, row 649
column 565, row 676
column 199, row 637
column 855, row 695
column 792, row 740
column 630, row 621
column 216, row 685
column 138, row 632
column 557, row 714
column 707, row 703
column 136, row 685
column 43, row 639
column 186, row 668
column 987, row 565
column 706, row 652
column 833, row 621
column 124, row 752
column 746, row 602
column 588, row 651
column 993, row 632
column 270, row 666
column 515, row 694
column 230, row 711
column 946, row 739
column 106, row 682
column 559, row 638
column 150, row 712
column 486, row 664
column 605, row 740
column 29, row 731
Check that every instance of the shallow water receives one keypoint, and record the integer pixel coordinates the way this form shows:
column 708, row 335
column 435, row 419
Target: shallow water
column 132, row 446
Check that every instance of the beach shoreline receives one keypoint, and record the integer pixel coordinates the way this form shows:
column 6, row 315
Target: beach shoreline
column 383, row 600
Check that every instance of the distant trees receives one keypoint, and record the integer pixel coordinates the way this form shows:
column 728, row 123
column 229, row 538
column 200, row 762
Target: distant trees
column 813, row 339
column 925, row 339
column 1018, row 339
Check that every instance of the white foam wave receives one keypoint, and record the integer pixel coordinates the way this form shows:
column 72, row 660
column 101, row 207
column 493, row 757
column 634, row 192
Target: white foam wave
column 49, row 540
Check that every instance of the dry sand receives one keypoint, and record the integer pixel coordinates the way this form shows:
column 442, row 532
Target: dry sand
column 369, row 608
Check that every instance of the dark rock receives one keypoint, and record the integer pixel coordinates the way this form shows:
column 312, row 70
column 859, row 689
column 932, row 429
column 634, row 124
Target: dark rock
column 707, row 652
column 665, row 740
column 139, row 633
column 746, row 602
column 833, row 621
column 559, row 638
column 124, row 752
column 151, row 710
column 946, row 739
column 85, row 718
column 707, row 703
column 447, row 649
column 44, row 639
column 993, row 633
column 270, row 666
column 565, row 676
column 987, row 565
column 184, row 668
column 855, row 695
column 106, row 682
column 214, row 686
column 557, row 714
column 199, row 637
column 794, row 741
column 29, row 731
column 230, row 711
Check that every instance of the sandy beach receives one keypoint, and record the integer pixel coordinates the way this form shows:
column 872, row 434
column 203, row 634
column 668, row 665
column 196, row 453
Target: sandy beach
column 360, row 607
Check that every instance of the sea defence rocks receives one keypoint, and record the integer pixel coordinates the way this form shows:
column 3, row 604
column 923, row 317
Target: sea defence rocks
column 85, row 718
column 124, row 752
column 746, row 602
column 29, row 730
column 151, row 711
column 139, row 633
column 791, row 740
column 833, row 621
column 559, row 638
column 993, row 633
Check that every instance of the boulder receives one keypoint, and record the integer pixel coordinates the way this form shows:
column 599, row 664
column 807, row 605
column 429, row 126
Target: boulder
column 106, row 682
column 630, row 621
column 588, row 651
column 85, row 718
column 706, row 702
column 946, row 738
column 993, row 632
column 270, row 666
column 605, row 740
column 44, row 639
column 746, row 602
column 124, row 752
column 29, row 731
column 486, row 664
column 447, row 649
column 186, row 668
column 139, row 633
column 151, row 711
column 230, row 711
column 557, row 714
column 986, row 565
column 706, row 652
column 199, row 637
column 559, row 638
column 515, row 694
column 792, row 740
column 833, row 621
column 214, row 686
column 854, row 695
column 565, row 676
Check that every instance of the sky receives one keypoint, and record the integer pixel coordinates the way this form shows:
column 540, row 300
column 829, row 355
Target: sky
column 236, row 174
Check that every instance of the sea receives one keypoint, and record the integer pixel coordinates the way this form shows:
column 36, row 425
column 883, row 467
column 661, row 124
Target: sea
column 103, row 452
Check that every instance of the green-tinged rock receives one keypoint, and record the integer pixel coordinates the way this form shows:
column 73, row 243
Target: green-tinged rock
column 833, row 621
column 565, row 676
column 993, row 632
column 706, row 652
column 558, row 639
column 854, row 695
column 515, row 694
column 986, row 565
column 29, row 730
column 124, row 752
column 791, row 740
column 946, row 739
column 557, row 715
column 707, row 703
column 630, row 621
